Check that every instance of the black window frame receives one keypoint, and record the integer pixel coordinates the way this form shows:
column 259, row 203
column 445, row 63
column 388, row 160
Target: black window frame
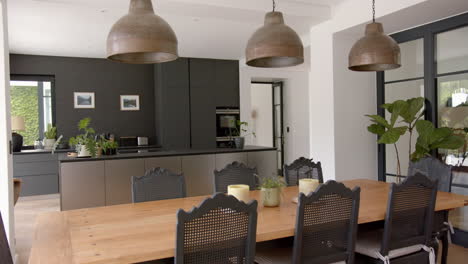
column 428, row 33
column 39, row 78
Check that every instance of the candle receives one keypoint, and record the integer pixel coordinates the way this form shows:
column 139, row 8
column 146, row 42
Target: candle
column 307, row 186
column 240, row 191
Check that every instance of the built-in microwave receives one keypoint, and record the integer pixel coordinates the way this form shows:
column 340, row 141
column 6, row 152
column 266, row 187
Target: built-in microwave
column 226, row 125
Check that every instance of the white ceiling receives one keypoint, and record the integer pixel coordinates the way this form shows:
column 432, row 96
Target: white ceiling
column 205, row 28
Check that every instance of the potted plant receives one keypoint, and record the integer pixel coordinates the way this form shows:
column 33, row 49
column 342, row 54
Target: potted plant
column 409, row 114
column 271, row 189
column 239, row 133
column 85, row 144
column 49, row 137
column 109, row 147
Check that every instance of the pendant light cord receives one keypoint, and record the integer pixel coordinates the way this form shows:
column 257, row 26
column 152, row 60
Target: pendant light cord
column 274, row 5
column 373, row 11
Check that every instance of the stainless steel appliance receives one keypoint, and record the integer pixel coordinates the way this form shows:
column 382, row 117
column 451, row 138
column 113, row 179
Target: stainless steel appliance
column 226, row 126
column 142, row 141
column 128, row 142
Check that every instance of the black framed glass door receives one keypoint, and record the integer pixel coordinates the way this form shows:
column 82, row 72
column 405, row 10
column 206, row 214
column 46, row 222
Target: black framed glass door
column 435, row 66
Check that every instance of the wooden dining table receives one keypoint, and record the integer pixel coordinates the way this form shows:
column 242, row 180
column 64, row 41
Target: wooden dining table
column 140, row 232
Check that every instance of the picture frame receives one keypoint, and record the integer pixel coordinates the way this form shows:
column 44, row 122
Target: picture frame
column 129, row 102
column 84, row 100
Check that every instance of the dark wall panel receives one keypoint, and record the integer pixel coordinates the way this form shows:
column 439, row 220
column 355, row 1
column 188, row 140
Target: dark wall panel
column 172, row 97
column 108, row 80
column 203, row 103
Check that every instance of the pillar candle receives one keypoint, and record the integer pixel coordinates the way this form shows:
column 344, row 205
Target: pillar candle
column 307, row 186
column 240, row 191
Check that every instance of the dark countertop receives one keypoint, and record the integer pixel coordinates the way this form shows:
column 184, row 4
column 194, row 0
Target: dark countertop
column 43, row 151
column 167, row 153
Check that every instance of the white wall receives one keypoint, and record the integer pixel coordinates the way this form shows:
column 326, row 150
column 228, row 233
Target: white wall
column 6, row 179
column 261, row 114
column 295, row 99
column 339, row 98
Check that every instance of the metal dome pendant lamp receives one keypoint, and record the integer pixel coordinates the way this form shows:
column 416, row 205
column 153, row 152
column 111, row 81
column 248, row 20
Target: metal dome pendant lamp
column 275, row 44
column 141, row 37
column 375, row 51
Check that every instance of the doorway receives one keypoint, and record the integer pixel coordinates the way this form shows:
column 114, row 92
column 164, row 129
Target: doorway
column 267, row 117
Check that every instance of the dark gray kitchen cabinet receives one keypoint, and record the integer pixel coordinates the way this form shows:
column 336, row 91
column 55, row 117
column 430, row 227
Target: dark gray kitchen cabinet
column 227, row 83
column 172, row 104
column 203, row 103
column 38, row 172
column 187, row 92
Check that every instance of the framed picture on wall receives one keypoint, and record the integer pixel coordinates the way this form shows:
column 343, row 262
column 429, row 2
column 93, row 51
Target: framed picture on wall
column 84, row 100
column 129, row 102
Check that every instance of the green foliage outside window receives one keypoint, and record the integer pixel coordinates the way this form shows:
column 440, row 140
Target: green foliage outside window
column 24, row 103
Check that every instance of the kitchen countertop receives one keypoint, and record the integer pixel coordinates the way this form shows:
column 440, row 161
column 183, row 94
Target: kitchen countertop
column 166, row 153
column 43, row 151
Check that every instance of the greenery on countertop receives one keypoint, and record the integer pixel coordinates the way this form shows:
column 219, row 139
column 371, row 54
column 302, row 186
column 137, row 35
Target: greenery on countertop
column 107, row 144
column 51, row 132
column 86, row 139
column 241, row 127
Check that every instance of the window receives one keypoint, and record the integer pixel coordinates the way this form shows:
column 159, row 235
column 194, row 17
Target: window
column 32, row 99
column 434, row 65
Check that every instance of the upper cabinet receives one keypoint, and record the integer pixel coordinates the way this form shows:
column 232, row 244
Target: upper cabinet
column 172, row 104
column 227, row 83
column 187, row 92
column 202, row 103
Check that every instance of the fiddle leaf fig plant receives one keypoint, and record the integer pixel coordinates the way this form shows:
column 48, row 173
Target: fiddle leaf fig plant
column 409, row 113
column 431, row 138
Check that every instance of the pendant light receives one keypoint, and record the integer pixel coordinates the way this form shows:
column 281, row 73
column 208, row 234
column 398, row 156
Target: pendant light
column 375, row 51
column 275, row 44
column 141, row 37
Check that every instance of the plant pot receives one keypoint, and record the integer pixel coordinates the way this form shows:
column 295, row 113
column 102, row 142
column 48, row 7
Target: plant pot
column 49, row 143
column 271, row 197
column 83, row 151
column 240, row 142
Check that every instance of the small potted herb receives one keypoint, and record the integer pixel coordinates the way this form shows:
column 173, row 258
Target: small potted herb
column 239, row 138
column 109, row 147
column 85, row 144
column 271, row 189
column 49, row 137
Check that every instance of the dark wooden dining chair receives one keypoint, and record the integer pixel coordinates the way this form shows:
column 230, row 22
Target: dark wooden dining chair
column 221, row 230
column 235, row 173
column 158, row 184
column 326, row 227
column 406, row 236
column 302, row 168
column 435, row 169
column 5, row 253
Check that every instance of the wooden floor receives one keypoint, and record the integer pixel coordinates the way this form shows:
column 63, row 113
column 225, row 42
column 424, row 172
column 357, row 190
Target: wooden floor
column 28, row 208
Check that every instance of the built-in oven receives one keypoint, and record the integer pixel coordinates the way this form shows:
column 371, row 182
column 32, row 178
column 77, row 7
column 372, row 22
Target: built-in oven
column 227, row 126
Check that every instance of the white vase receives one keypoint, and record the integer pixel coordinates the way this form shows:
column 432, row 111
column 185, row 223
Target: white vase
column 271, row 197
column 48, row 143
column 83, row 151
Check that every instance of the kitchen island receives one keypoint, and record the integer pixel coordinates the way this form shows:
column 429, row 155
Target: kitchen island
column 106, row 180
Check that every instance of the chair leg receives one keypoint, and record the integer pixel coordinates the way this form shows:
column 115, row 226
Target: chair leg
column 445, row 246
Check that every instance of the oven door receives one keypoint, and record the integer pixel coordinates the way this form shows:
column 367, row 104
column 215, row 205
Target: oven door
column 227, row 125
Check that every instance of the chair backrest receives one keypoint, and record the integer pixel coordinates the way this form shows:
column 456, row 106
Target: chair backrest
column 410, row 213
column 5, row 253
column 326, row 225
column 221, row 230
column 302, row 168
column 234, row 173
column 158, row 184
column 434, row 169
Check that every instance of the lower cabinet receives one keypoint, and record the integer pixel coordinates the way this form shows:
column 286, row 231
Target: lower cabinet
column 85, row 184
column 198, row 171
column 118, row 179
column 82, row 185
